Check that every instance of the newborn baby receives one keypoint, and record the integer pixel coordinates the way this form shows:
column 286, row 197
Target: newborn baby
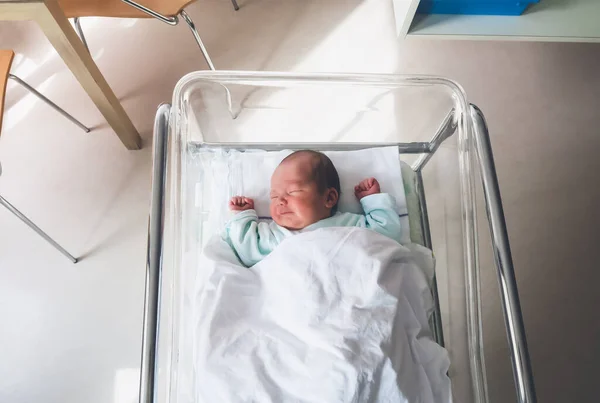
column 305, row 190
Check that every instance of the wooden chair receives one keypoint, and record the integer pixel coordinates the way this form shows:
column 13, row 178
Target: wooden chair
column 6, row 59
column 167, row 11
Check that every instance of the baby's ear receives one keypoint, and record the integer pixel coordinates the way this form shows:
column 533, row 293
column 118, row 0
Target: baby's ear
column 332, row 197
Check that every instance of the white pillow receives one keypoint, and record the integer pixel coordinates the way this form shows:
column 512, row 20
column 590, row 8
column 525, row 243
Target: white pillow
column 248, row 173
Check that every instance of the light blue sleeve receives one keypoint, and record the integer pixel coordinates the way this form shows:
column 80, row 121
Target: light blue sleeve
column 252, row 241
column 381, row 215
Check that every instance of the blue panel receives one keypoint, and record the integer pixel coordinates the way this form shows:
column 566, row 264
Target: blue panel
column 481, row 7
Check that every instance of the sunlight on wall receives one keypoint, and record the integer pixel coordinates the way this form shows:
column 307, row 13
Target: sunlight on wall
column 358, row 47
column 95, row 25
column 24, row 66
column 24, row 106
column 128, row 22
column 20, row 340
column 311, row 114
column 127, row 383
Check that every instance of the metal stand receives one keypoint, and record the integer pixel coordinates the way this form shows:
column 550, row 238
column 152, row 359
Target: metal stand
column 474, row 328
column 436, row 318
column 506, row 274
column 37, row 229
column 445, row 130
column 49, row 102
column 154, row 257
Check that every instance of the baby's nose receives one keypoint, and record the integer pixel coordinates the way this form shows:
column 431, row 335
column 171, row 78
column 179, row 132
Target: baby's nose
column 281, row 201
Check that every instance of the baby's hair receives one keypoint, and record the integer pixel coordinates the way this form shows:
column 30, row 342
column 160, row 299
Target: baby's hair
column 323, row 172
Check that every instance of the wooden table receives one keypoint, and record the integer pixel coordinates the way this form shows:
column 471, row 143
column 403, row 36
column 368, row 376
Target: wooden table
column 60, row 33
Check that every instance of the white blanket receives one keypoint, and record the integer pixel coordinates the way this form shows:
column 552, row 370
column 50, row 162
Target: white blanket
column 332, row 315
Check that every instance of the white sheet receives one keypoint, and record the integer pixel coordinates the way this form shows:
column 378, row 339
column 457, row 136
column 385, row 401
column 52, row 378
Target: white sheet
column 332, row 315
column 248, row 173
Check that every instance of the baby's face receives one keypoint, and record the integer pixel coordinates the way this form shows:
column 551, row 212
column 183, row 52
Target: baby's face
column 295, row 198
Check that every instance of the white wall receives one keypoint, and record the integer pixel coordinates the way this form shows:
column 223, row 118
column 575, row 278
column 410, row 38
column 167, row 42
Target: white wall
column 541, row 103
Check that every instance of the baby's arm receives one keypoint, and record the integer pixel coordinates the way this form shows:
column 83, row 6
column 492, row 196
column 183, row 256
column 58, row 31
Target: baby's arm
column 251, row 240
column 380, row 209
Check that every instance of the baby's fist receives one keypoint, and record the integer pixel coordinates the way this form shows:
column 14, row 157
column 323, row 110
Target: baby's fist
column 241, row 203
column 366, row 188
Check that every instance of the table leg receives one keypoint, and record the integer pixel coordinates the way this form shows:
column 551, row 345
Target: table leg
column 62, row 36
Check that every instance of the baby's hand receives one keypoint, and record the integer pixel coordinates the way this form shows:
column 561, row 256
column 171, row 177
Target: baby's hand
column 241, row 203
column 366, row 188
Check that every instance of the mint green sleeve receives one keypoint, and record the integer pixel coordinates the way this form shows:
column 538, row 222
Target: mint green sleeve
column 252, row 241
column 381, row 215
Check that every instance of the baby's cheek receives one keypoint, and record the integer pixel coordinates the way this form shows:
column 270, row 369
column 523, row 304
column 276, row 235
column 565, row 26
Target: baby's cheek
column 305, row 211
column 296, row 206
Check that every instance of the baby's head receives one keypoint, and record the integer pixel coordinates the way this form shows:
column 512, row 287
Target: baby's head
column 305, row 188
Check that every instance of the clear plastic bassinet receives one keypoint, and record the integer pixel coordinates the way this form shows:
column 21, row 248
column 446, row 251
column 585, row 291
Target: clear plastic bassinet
column 439, row 135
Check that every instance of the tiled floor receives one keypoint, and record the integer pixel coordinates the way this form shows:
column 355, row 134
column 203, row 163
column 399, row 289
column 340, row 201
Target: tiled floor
column 71, row 333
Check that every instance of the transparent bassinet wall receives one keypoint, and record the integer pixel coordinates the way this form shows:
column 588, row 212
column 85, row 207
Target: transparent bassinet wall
column 230, row 108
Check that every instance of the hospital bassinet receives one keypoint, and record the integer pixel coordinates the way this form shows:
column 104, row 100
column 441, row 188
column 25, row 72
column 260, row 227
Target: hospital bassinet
column 443, row 143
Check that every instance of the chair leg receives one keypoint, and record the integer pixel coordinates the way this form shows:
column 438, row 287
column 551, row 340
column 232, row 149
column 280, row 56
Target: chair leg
column 152, row 13
column 80, row 33
column 192, row 26
column 49, row 102
column 190, row 23
column 174, row 21
column 37, row 229
column 235, row 5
